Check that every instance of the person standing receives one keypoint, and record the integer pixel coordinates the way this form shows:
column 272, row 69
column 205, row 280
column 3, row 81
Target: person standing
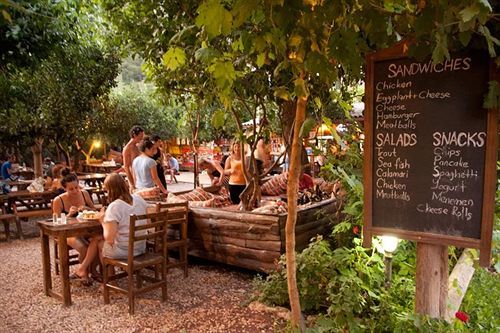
column 144, row 167
column 7, row 168
column 234, row 169
column 130, row 152
column 158, row 157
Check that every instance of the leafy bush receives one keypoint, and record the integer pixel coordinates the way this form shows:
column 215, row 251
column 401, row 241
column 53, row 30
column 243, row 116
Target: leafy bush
column 481, row 301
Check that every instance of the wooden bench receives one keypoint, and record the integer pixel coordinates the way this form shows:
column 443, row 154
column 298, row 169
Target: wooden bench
column 7, row 218
column 25, row 205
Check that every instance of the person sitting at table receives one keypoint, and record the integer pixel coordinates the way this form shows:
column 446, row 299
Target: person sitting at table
column 47, row 167
column 234, row 169
column 115, row 220
column 7, row 168
column 54, row 183
column 144, row 167
column 172, row 167
column 70, row 203
column 214, row 169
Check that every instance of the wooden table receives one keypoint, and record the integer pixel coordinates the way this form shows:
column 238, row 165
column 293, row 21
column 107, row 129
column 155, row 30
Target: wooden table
column 93, row 179
column 101, row 167
column 30, row 200
column 73, row 228
column 21, row 184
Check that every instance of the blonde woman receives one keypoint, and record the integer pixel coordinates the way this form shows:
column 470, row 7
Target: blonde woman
column 234, row 169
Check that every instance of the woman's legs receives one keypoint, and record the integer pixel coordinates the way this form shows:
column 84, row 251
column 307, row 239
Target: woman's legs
column 234, row 192
column 79, row 245
column 92, row 251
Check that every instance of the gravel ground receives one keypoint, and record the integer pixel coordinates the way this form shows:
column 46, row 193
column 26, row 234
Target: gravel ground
column 213, row 298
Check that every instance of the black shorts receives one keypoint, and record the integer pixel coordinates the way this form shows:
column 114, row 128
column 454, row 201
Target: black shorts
column 235, row 191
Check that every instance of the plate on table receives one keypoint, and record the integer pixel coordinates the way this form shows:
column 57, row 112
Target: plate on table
column 88, row 216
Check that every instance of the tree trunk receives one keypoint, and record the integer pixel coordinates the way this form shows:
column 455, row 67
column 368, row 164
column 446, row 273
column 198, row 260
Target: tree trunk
column 36, row 149
column 292, row 192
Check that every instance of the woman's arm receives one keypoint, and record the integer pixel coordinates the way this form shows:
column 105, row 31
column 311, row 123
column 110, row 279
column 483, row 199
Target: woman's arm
column 56, row 205
column 156, row 180
column 110, row 229
column 227, row 168
column 88, row 200
column 217, row 166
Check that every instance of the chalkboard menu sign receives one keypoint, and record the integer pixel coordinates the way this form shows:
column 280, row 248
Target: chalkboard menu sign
column 429, row 153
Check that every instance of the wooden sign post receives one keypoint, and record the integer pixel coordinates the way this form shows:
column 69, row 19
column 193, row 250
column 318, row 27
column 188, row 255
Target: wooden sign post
column 430, row 155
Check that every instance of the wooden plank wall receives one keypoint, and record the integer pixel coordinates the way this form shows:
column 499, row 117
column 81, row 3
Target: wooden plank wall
column 249, row 240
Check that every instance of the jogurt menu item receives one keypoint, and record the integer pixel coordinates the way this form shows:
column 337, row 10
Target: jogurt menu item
column 428, row 144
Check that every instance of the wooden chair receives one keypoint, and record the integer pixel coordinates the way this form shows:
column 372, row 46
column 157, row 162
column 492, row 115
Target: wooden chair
column 7, row 218
column 134, row 265
column 177, row 233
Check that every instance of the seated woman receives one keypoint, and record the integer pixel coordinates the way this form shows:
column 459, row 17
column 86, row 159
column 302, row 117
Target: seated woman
column 116, row 220
column 172, row 167
column 144, row 167
column 214, row 169
column 234, row 169
column 54, row 182
column 71, row 202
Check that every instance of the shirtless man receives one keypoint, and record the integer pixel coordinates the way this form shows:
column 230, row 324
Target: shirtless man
column 130, row 152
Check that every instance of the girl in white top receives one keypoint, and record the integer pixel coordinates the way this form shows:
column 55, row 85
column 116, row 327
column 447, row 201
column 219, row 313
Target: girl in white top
column 144, row 167
column 115, row 222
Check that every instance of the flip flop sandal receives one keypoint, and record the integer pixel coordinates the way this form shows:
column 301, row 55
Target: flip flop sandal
column 96, row 277
column 87, row 282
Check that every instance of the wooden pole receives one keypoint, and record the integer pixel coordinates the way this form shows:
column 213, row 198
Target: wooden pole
column 432, row 280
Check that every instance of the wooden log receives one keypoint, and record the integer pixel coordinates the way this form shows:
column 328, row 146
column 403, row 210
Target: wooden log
column 235, row 251
column 233, row 234
column 256, row 265
column 273, row 245
column 316, row 211
column 232, row 225
column 302, row 240
column 432, row 280
column 248, row 217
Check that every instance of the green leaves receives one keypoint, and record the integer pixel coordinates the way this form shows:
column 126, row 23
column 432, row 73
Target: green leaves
column 242, row 10
column 492, row 99
column 469, row 13
column 218, row 119
column 215, row 18
column 206, row 55
column 440, row 51
column 174, row 58
column 300, row 88
column 224, row 74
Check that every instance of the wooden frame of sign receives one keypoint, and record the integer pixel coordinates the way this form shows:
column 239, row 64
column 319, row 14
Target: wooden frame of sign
column 430, row 149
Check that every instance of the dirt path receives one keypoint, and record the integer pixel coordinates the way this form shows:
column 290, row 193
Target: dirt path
column 211, row 299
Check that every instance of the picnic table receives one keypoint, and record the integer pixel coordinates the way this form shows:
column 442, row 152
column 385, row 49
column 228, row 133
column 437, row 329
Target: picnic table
column 101, row 167
column 61, row 232
column 92, row 179
column 20, row 184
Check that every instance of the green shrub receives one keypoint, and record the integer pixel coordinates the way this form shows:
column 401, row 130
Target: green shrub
column 481, row 301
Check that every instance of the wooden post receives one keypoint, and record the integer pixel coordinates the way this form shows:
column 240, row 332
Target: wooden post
column 432, row 280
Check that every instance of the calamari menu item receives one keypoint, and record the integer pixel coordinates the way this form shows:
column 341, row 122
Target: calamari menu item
column 429, row 144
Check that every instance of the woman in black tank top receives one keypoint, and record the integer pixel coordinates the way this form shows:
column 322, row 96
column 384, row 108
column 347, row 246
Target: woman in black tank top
column 70, row 203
